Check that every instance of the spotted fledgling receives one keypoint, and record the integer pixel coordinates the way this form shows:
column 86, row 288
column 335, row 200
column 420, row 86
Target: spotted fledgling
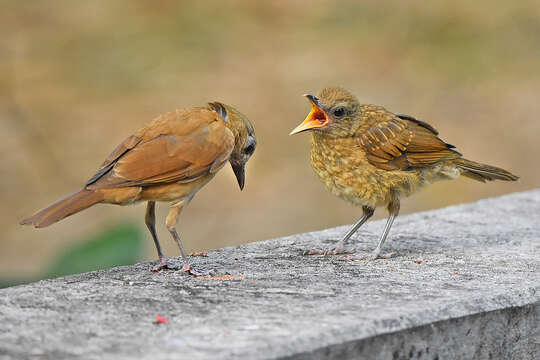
column 372, row 157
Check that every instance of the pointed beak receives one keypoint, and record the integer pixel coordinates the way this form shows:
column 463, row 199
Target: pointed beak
column 240, row 173
column 316, row 118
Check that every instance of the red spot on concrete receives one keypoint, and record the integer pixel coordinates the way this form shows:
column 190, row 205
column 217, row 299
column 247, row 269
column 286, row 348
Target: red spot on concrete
column 161, row 320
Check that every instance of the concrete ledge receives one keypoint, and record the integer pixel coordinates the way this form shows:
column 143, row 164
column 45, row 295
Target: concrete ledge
column 465, row 284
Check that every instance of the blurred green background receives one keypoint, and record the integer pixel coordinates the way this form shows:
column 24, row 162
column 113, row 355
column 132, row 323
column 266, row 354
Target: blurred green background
column 76, row 78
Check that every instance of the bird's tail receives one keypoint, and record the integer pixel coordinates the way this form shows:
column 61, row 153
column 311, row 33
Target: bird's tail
column 63, row 208
column 483, row 172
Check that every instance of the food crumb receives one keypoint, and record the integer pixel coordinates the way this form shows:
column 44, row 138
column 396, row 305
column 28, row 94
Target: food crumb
column 161, row 320
column 202, row 253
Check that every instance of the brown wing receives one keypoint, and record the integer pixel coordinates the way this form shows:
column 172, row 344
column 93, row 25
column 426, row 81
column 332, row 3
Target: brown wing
column 404, row 143
column 166, row 158
column 116, row 154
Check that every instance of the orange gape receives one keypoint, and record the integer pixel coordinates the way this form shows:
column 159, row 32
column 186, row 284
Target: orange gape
column 372, row 157
column 169, row 159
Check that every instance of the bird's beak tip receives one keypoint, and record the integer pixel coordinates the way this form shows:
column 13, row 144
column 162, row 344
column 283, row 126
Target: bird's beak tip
column 298, row 129
column 240, row 173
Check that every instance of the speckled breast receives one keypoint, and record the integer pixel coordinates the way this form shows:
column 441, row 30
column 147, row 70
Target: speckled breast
column 341, row 165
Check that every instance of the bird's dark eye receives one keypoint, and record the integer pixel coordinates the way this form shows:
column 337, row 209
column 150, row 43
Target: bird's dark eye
column 249, row 149
column 339, row 112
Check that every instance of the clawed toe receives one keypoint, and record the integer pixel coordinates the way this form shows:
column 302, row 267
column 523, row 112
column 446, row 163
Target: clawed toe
column 334, row 251
column 188, row 269
column 373, row 257
column 165, row 264
column 382, row 256
column 340, row 251
column 312, row 252
column 191, row 271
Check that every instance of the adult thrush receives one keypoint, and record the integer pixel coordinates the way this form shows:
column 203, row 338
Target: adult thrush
column 372, row 157
column 169, row 160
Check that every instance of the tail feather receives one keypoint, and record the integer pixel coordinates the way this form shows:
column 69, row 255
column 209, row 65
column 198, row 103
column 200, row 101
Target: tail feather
column 63, row 208
column 483, row 172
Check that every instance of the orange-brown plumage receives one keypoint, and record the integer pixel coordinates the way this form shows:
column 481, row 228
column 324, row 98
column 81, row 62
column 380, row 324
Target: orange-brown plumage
column 372, row 157
column 169, row 159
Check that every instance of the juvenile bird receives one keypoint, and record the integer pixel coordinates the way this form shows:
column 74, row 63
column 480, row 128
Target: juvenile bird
column 169, row 160
column 372, row 157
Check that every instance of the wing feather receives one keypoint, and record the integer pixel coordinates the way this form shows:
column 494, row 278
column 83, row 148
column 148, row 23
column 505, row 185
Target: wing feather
column 113, row 157
column 404, row 143
column 176, row 156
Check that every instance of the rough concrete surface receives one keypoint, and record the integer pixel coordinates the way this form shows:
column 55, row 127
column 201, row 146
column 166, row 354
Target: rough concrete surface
column 465, row 284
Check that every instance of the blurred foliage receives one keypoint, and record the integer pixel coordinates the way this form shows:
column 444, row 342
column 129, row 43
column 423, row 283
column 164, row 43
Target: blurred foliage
column 7, row 282
column 114, row 246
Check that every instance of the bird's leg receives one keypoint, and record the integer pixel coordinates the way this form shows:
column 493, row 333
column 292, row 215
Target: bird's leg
column 340, row 248
column 150, row 220
column 368, row 212
column 172, row 219
column 393, row 210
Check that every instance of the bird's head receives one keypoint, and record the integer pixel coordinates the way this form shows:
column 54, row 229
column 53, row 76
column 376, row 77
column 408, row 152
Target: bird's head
column 244, row 138
column 333, row 110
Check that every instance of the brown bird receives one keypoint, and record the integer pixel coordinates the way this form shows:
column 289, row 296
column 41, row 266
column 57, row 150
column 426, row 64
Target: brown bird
column 372, row 157
column 169, row 159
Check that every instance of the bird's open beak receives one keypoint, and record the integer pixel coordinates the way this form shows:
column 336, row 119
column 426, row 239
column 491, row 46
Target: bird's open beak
column 317, row 117
column 240, row 173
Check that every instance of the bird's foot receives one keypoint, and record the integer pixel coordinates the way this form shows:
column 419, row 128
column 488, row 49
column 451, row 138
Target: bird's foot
column 165, row 264
column 191, row 271
column 382, row 256
column 373, row 256
column 338, row 250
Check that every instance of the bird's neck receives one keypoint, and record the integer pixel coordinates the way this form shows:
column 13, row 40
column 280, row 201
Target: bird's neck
column 325, row 141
